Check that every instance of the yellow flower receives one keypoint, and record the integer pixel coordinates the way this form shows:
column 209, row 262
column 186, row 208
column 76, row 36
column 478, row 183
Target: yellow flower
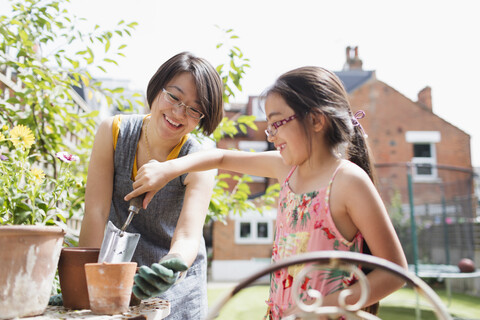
column 38, row 175
column 4, row 127
column 22, row 136
column 2, row 137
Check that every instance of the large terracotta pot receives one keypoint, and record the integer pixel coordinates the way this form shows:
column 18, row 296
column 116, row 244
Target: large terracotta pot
column 110, row 286
column 71, row 272
column 29, row 257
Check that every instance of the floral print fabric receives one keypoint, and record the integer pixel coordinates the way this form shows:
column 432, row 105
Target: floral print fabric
column 304, row 224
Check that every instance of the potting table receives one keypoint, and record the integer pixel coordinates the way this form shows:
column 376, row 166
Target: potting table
column 151, row 309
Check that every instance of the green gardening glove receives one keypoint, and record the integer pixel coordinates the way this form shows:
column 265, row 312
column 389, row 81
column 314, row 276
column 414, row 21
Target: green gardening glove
column 56, row 300
column 153, row 281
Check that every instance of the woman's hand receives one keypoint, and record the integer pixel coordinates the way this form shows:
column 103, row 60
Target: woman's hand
column 151, row 177
column 153, row 281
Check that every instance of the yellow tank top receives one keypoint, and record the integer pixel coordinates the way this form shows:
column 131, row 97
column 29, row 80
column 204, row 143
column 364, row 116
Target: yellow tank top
column 116, row 129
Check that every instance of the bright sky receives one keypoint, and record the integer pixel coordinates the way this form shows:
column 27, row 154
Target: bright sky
column 410, row 44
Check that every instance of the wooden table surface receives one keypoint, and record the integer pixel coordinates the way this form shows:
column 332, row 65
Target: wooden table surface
column 151, row 309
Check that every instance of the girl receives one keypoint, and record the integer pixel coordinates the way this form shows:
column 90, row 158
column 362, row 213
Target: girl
column 326, row 202
column 184, row 93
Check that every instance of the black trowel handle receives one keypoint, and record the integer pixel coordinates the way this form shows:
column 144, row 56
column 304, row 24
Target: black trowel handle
column 134, row 207
column 136, row 204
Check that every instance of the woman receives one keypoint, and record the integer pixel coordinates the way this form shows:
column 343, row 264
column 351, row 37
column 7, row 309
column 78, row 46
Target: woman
column 184, row 93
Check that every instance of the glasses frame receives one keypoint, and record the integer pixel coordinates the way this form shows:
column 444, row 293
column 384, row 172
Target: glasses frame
column 174, row 101
column 272, row 128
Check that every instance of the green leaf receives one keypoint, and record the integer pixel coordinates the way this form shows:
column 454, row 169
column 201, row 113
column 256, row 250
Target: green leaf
column 23, row 35
column 110, row 61
column 13, row 100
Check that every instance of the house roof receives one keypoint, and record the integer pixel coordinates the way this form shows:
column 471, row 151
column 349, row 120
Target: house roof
column 353, row 79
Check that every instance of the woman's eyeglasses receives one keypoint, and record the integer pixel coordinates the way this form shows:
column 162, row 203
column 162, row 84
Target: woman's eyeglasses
column 272, row 129
column 173, row 100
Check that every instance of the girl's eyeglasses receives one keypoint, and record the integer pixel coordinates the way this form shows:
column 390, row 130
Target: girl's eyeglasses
column 272, row 129
column 173, row 100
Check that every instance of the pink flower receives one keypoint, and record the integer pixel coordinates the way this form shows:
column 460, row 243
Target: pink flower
column 66, row 157
column 275, row 249
column 328, row 233
column 318, row 224
column 278, row 274
column 287, row 283
column 348, row 281
column 305, row 283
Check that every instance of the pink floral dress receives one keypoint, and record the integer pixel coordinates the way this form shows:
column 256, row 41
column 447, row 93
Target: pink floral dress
column 304, row 224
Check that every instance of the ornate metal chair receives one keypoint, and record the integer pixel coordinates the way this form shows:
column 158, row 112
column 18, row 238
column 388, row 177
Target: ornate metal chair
column 347, row 261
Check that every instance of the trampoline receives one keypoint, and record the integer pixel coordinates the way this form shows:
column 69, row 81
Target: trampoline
column 443, row 272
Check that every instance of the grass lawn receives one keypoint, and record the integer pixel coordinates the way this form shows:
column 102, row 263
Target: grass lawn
column 249, row 304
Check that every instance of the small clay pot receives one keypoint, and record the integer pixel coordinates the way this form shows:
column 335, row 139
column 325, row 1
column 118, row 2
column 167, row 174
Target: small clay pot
column 71, row 272
column 134, row 301
column 110, row 286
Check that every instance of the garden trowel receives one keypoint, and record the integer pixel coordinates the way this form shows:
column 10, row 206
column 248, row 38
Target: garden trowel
column 119, row 245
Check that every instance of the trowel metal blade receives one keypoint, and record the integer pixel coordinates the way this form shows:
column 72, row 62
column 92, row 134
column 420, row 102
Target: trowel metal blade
column 117, row 246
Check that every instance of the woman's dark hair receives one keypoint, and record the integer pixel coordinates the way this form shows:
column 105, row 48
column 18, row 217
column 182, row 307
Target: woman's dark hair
column 315, row 90
column 207, row 81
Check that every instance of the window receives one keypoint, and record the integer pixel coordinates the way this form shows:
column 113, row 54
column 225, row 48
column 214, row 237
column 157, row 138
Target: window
column 262, row 230
column 258, row 107
column 245, row 230
column 424, row 154
column 254, row 146
column 423, row 157
column 254, row 227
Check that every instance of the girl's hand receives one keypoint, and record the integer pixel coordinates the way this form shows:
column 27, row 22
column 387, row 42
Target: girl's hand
column 151, row 177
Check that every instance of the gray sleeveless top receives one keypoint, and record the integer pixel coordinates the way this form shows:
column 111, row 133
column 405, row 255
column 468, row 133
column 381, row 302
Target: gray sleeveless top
column 156, row 225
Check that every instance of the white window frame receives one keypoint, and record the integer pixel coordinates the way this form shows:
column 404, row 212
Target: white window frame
column 430, row 138
column 254, row 146
column 258, row 109
column 254, row 218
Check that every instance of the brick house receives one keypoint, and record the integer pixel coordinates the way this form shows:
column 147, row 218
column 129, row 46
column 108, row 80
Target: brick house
column 400, row 132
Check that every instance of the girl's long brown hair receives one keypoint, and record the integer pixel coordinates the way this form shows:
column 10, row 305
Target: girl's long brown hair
column 310, row 90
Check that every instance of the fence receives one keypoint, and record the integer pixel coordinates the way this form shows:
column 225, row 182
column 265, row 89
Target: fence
column 438, row 203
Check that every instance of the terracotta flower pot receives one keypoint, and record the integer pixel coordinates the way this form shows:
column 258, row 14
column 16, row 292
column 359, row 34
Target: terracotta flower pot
column 71, row 271
column 110, row 286
column 29, row 257
column 134, row 301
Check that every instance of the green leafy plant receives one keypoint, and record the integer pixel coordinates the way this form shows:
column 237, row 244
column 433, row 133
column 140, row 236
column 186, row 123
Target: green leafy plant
column 28, row 194
column 45, row 58
column 236, row 198
column 46, row 84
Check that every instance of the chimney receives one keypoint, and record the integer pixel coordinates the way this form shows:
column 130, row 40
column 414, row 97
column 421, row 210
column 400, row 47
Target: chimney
column 425, row 98
column 353, row 61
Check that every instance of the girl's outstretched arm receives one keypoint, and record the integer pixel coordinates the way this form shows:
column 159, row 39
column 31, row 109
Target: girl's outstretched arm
column 155, row 175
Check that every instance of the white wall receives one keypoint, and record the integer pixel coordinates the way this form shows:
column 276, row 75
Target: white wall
column 238, row 270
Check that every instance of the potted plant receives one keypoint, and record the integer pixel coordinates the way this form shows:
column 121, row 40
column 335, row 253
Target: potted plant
column 33, row 211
